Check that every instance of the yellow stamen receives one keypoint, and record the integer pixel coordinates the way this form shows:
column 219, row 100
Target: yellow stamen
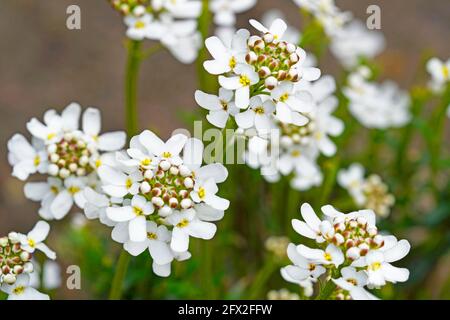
column 232, row 62
column 19, row 290
column 54, row 189
column 295, row 153
column 327, row 256
column 128, row 183
column 284, row 97
column 167, row 154
column 445, row 72
column 73, row 189
column 37, row 161
column 31, row 243
column 259, row 110
column 152, row 236
column 244, row 80
column 50, row 136
column 201, row 192
column 146, row 162
column 98, row 163
column 375, row 266
column 138, row 211
column 183, row 223
column 139, row 25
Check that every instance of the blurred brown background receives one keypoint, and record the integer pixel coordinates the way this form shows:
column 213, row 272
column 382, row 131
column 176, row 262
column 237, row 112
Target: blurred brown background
column 43, row 65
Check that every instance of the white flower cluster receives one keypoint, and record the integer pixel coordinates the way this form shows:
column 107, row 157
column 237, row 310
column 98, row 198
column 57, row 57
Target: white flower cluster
column 350, row 248
column 224, row 12
column 69, row 156
column 157, row 198
column 327, row 13
column 350, row 38
column 370, row 192
column 16, row 265
column 374, row 105
column 267, row 88
column 173, row 23
column 440, row 74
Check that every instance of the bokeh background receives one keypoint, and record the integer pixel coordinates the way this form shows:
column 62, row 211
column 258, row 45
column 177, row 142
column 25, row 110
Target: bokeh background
column 44, row 65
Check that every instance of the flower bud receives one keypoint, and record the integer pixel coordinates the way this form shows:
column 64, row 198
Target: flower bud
column 184, row 171
column 9, row 278
column 338, row 239
column 53, row 169
column 251, row 41
column 372, row 231
column 4, row 241
column 186, row 203
column 174, row 170
column 268, row 37
column 271, row 82
column 156, row 192
column 183, row 193
column 165, row 211
column 173, row 202
column 64, row 173
column 28, row 267
column 352, row 253
column 294, row 58
column 73, row 167
column 81, row 172
column 145, row 187
column 281, row 75
column 251, row 57
column 188, row 183
column 157, row 201
column 14, row 237
column 54, row 157
column 148, row 174
column 264, row 72
column 291, row 48
column 165, row 165
column 25, row 256
column 259, row 45
column 18, row 269
column 52, row 148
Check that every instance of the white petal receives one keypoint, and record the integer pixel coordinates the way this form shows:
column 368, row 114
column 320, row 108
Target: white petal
column 120, row 214
column 202, row 230
column 36, row 191
column 160, row 252
column 91, row 122
column 61, row 205
column 40, row 231
column 218, row 118
column 399, row 251
column 112, row 141
column 180, row 240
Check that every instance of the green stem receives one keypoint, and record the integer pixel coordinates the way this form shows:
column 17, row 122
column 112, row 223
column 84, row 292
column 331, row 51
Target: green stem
column 326, row 291
column 131, row 112
column 119, row 276
column 261, row 278
column 131, row 82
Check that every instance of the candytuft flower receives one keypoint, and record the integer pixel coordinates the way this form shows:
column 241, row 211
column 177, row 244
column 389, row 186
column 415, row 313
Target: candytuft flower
column 349, row 248
column 70, row 156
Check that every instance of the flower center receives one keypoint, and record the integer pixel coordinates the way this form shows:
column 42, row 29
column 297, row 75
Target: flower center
column 375, row 266
column 138, row 211
column 37, row 161
column 50, row 136
column 327, row 256
column 166, row 154
column 19, row 290
column 128, row 183
column 244, row 80
column 284, row 97
column 201, row 192
column 224, row 105
column 146, row 162
column 31, row 243
column 352, row 281
column 152, row 236
column 183, row 223
column 232, row 62
column 73, row 189
column 139, row 24
column 445, row 72
column 259, row 110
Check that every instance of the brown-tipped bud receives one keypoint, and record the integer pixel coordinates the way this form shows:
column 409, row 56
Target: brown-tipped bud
column 268, row 38
column 281, row 75
column 282, row 45
column 173, row 203
column 166, row 197
column 16, row 248
column 262, row 58
column 15, row 260
column 273, row 64
column 156, row 192
column 25, row 256
column 18, row 269
column 160, row 174
column 183, row 193
column 259, row 46
column 294, row 58
column 251, row 57
column 264, row 72
column 252, row 40
column 6, row 269
column 291, row 47
column 271, row 82
column 349, row 243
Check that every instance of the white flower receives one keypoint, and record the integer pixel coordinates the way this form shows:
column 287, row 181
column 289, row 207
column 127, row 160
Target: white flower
column 169, row 150
column 440, row 73
column 164, row 270
column 291, row 35
column 277, row 28
column 378, row 267
column 21, row 290
column 226, row 57
column 375, row 105
column 331, row 255
column 258, row 115
column 220, row 107
column 34, row 240
column 354, row 281
column 205, row 191
column 355, row 41
column 139, row 27
column 186, row 224
column 135, row 214
column 118, row 184
column 245, row 77
column 25, row 158
column 302, row 269
column 63, row 151
column 96, row 204
column 290, row 103
column 225, row 10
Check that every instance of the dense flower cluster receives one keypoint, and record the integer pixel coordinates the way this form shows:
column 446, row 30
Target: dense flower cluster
column 156, row 198
column 349, row 248
column 70, row 157
column 267, row 89
column 374, row 105
column 173, row 23
column 16, row 264
column 369, row 192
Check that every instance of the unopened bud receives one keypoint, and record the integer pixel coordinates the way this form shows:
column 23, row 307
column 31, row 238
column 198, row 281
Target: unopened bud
column 271, row 82
column 184, row 171
column 165, row 165
column 157, row 201
column 352, row 253
column 165, row 211
column 186, row 203
column 53, row 169
column 268, row 38
column 9, row 278
column 148, row 174
column 188, row 183
column 145, row 187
